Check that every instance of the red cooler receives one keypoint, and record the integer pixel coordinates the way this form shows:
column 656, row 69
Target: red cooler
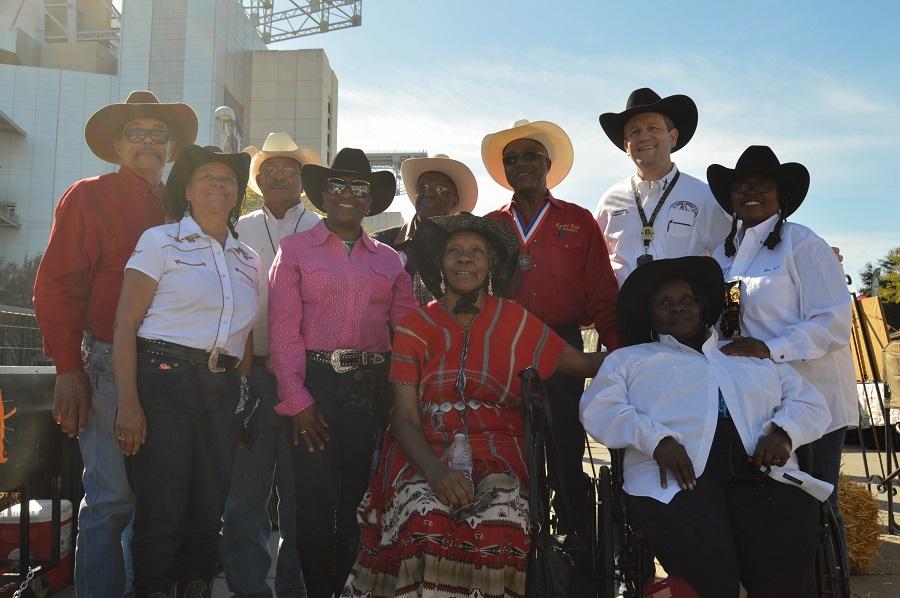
column 41, row 516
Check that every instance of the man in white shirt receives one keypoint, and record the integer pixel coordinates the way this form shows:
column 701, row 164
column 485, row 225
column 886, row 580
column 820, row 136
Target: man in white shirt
column 659, row 212
column 274, row 174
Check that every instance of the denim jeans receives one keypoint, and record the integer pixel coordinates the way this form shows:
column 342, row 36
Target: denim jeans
column 182, row 472
column 827, row 466
column 102, row 548
column 247, row 528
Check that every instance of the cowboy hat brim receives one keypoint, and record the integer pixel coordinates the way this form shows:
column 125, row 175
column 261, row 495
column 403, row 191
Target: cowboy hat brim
column 189, row 159
column 301, row 155
column 105, row 126
column 548, row 134
column 680, row 108
column 632, row 308
column 459, row 173
column 790, row 176
column 431, row 238
column 384, row 185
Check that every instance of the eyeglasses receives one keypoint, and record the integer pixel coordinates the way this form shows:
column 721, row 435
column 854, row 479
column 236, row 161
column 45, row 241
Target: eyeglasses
column 752, row 188
column 286, row 172
column 436, row 188
column 529, row 156
column 358, row 188
column 157, row 136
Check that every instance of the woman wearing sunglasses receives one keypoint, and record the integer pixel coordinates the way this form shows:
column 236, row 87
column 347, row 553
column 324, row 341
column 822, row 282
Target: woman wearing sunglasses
column 334, row 296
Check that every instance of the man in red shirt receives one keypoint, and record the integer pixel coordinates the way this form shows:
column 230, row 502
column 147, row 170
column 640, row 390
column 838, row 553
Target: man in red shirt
column 97, row 224
column 566, row 277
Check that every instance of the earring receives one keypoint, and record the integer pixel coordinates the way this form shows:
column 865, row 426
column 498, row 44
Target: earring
column 187, row 208
column 443, row 284
column 654, row 335
column 490, row 283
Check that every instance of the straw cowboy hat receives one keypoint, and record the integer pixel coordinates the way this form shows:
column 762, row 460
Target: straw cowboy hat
column 459, row 173
column 189, row 159
column 680, row 108
column 278, row 145
column 350, row 162
column 105, row 125
column 792, row 177
column 548, row 134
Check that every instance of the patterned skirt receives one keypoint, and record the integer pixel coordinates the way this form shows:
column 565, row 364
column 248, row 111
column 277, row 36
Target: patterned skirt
column 418, row 546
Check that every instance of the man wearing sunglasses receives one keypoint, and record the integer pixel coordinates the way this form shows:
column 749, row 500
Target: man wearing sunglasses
column 436, row 186
column 565, row 276
column 97, row 224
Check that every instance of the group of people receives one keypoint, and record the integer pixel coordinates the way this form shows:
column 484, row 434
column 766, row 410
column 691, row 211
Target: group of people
column 204, row 357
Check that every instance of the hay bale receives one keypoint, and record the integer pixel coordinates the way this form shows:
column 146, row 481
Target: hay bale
column 860, row 511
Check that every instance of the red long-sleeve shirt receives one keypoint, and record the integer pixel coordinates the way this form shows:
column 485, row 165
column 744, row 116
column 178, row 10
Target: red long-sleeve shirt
column 569, row 279
column 97, row 224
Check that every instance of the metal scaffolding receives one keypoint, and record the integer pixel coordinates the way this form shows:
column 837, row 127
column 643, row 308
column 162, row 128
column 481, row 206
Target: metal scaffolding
column 298, row 18
column 62, row 20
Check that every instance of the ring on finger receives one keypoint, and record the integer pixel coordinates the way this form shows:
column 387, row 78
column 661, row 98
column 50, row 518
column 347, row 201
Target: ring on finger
column 302, row 431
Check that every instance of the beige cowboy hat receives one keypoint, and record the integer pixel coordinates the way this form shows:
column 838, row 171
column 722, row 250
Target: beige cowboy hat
column 466, row 185
column 105, row 125
column 278, row 145
column 548, row 134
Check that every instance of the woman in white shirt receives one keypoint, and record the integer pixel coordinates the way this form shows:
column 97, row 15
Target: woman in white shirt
column 794, row 303
column 709, row 471
column 182, row 326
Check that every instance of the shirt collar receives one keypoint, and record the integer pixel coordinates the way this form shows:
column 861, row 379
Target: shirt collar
column 549, row 197
column 137, row 184
column 761, row 231
column 188, row 230
column 662, row 182
column 406, row 232
column 321, row 234
column 708, row 345
column 292, row 212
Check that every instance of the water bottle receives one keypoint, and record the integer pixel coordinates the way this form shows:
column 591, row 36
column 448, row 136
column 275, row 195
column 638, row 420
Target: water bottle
column 461, row 456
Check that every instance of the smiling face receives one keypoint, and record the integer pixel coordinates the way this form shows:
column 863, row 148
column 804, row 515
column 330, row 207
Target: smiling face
column 675, row 310
column 346, row 209
column 279, row 181
column 436, row 195
column 212, row 191
column 466, row 262
column 526, row 163
column 143, row 156
column 649, row 141
column 754, row 198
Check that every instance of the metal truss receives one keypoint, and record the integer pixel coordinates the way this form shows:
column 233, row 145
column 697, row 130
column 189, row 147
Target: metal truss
column 61, row 22
column 391, row 160
column 301, row 18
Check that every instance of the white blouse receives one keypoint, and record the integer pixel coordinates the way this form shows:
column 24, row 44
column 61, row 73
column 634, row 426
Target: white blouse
column 206, row 295
column 795, row 299
column 647, row 392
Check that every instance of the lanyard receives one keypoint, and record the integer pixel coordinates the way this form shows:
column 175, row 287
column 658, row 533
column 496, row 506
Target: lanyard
column 647, row 230
column 269, row 234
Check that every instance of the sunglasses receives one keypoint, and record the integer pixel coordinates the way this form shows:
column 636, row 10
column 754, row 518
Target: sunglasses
column 358, row 188
column 437, row 189
column 752, row 188
column 529, row 156
column 157, row 136
column 287, row 172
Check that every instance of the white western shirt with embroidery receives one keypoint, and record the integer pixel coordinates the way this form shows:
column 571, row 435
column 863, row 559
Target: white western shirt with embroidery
column 795, row 299
column 691, row 222
column 647, row 392
column 263, row 232
column 206, row 295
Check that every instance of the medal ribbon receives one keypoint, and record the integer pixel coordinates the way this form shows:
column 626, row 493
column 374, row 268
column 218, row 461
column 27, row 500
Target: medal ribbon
column 647, row 232
column 526, row 232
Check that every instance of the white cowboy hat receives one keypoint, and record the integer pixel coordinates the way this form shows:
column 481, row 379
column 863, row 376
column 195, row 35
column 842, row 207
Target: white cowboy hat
column 548, row 134
column 278, row 145
column 459, row 173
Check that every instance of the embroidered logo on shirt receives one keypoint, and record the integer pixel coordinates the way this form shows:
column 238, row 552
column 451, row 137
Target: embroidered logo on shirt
column 685, row 206
column 620, row 212
column 772, row 268
column 569, row 228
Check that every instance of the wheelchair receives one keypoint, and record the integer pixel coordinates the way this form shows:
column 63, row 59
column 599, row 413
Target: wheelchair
column 623, row 559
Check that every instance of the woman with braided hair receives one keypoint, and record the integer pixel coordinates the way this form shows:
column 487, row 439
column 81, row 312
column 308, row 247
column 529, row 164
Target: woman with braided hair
column 794, row 305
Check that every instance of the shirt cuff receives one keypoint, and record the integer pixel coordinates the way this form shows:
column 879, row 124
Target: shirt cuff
column 780, row 349
column 295, row 404
column 789, row 426
column 653, row 441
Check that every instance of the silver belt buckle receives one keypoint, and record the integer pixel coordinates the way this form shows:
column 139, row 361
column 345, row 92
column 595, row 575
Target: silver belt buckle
column 213, row 363
column 336, row 360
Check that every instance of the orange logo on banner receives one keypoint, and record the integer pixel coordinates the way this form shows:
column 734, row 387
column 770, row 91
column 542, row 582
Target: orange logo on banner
column 3, row 417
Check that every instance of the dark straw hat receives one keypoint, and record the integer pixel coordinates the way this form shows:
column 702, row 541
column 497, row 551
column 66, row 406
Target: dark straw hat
column 792, row 177
column 680, row 108
column 350, row 162
column 190, row 159
column 633, row 307
column 431, row 238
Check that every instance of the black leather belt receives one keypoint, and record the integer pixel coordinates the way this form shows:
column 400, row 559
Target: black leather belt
column 347, row 360
column 215, row 360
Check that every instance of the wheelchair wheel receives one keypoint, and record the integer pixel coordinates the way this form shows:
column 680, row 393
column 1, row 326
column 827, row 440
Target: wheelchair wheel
column 832, row 577
column 606, row 568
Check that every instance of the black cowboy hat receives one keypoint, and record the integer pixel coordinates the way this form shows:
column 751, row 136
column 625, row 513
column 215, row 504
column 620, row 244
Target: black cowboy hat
column 189, row 159
column 680, row 108
column 633, row 310
column 792, row 177
column 350, row 162
column 431, row 238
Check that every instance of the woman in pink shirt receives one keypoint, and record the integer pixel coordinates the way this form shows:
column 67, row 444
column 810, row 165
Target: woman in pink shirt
column 334, row 295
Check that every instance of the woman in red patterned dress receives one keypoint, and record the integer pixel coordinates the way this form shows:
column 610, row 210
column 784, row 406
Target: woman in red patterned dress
column 429, row 530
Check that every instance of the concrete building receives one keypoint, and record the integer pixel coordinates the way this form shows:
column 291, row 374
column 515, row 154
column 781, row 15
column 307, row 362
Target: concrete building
column 61, row 60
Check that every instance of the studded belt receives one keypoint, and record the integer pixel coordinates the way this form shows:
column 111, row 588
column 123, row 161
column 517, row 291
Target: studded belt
column 347, row 360
column 448, row 406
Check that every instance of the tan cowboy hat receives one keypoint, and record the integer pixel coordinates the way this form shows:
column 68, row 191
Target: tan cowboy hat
column 278, row 145
column 548, row 134
column 105, row 125
column 459, row 173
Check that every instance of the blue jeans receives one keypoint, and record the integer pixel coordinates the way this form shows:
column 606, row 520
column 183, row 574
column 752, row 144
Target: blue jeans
column 247, row 528
column 103, row 546
column 827, row 466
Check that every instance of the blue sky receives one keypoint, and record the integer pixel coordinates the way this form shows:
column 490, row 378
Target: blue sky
column 817, row 81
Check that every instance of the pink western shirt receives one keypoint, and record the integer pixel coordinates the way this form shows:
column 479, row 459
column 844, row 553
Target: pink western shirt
column 321, row 299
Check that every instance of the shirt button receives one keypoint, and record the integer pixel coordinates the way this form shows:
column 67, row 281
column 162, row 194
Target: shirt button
column 228, row 297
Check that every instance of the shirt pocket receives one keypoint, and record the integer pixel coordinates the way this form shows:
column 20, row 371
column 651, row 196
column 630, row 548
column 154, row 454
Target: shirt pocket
column 681, row 218
column 771, row 297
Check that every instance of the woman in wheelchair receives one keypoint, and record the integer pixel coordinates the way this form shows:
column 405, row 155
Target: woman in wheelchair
column 711, row 480
column 444, row 513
